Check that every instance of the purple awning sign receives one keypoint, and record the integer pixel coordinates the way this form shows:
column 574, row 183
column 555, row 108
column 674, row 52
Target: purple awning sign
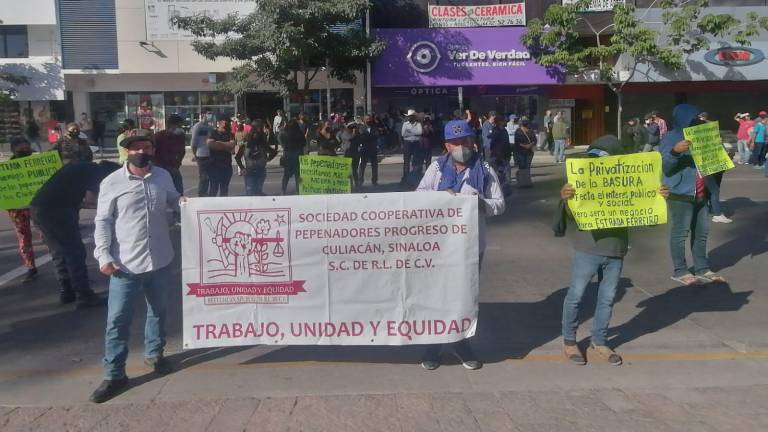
column 457, row 57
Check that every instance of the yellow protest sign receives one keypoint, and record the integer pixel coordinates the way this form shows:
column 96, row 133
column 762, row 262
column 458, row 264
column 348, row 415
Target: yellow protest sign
column 707, row 148
column 324, row 175
column 21, row 178
column 617, row 191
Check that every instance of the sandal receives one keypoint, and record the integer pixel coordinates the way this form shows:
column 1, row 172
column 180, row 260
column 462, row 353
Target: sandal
column 686, row 280
column 711, row 276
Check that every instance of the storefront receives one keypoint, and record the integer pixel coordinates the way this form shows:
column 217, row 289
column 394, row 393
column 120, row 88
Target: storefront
column 444, row 69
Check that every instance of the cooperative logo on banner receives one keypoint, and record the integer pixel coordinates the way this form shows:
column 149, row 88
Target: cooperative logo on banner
column 424, row 56
column 245, row 257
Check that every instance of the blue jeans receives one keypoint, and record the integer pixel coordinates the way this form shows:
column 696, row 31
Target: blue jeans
column 559, row 150
column 688, row 219
column 744, row 152
column 123, row 290
column 584, row 266
column 713, row 185
column 254, row 181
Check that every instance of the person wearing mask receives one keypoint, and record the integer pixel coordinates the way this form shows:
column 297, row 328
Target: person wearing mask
column 758, row 146
column 560, row 135
column 634, row 137
column 688, row 201
column 501, row 149
column 600, row 252
column 350, row 145
column 21, row 218
column 369, row 152
column 653, row 132
column 742, row 137
column 170, row 149
column 72, row 148
column 133, row 246
column 128, row 129
column 462, row 171
column 411, row 133
column 54, row 210
column 221, row 145
column 294, row 145
column 525, row 142
column 485, row 131
column 201, row 153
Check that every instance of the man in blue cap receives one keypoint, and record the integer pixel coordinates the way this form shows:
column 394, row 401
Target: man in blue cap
column 462, row 171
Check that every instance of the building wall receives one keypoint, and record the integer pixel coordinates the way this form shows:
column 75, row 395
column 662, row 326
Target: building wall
column 28, row 12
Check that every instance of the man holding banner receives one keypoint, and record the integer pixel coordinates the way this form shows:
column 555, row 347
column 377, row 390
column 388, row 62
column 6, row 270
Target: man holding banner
column 688, row 198
column 462, row 171
column 605, row 199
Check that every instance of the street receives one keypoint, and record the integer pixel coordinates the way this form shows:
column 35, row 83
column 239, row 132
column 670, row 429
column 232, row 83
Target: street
column 696, row 358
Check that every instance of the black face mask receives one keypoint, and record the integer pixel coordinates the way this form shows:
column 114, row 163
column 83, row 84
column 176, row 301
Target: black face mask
column 139, row 160
column 24, row 153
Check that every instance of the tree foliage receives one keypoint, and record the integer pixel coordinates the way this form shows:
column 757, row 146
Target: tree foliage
column 285, row 43
column 554, row 40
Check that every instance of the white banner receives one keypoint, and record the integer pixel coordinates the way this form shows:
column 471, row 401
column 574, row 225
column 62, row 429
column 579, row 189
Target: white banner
column 383, row 269
column 512, row 14
column 160, row 12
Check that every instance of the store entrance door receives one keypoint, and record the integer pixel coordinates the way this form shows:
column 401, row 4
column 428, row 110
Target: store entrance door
column 262, row 105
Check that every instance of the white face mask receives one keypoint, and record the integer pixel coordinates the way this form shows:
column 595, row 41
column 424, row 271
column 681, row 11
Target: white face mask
column 462, row 154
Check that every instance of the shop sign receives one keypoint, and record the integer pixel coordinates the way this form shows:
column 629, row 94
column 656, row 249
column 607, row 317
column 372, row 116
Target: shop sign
column 457, row 57
column 734, row 56
column 159, row 13
column 597, row 5
column 562, row 103
column 477, row 16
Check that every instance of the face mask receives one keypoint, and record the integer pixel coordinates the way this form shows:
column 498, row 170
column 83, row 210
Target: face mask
column 139, row 160
column 462, row 154
column 24, row 153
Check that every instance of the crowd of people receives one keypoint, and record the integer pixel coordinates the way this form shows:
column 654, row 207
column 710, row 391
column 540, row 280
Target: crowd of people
column 133, row 247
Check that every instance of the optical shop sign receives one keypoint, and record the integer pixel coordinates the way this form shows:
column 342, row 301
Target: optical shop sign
column 617, row 191
column 477, row 16
column 457, row 57
column 383, row 269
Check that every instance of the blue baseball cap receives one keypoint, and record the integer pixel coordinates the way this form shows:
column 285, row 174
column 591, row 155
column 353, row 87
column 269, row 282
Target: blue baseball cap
column 457, row 129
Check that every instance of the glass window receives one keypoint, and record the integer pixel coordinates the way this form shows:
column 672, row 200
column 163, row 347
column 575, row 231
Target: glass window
column 107, row 113
column 147, row 110
column 13, row 42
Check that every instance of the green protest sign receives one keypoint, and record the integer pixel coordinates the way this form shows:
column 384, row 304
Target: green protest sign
column 324, row 175
column 707, row 148
column 21, row 178
column 617, row 191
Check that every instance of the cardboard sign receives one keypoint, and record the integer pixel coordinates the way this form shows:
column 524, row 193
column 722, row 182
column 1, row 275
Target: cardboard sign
column 324, row 175
column 382, row 269
column 20, row 179
column 707, row 149
column 617, row 191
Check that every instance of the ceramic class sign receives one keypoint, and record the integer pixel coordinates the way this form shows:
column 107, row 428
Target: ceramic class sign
column 379, row 269
column 512, row 14
column 617, row 191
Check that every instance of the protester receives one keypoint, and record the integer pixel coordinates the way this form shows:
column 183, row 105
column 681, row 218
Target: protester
column 293, row 143
column 54, row 211
column 171, row 147
column 21, row 218
column 411, row 133
column 634, row 137
column 560, row 136
column 252, row 157
column 221, row 145
column 660, row 122
column 133, row 247
column 653, row 133
column 369, row 150
column 72, row 148
column 758, row 147
column 501, row 149
column 742, row 137
column 461, row 170
column 688, row 201
column 128, row 129
column 326, row 140
column 525, row 142
column 599, row 252
column 202, row 154
column 351, row 148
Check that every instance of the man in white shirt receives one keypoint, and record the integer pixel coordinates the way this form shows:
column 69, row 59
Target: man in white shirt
column 411, row 134
column 278, row 123
column 461, row 170
column 133, row 247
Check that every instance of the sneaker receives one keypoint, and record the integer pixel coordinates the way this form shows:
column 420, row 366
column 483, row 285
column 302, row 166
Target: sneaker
column 721, row 219
column 90, row 300
column 30, row 275
column 573, row 353
column 160, row 365
column 607, row 354
column 108, row 389
column 757, row 167
column 466, row 355
column 430, row 364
